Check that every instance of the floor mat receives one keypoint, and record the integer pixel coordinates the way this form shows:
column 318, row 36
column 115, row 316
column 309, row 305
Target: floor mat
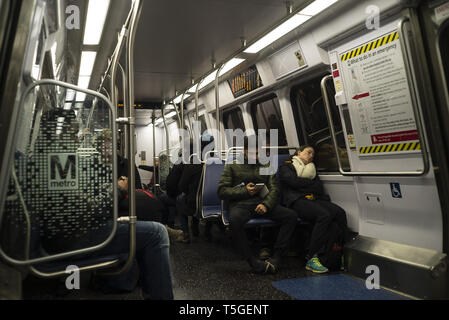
column 332, row 287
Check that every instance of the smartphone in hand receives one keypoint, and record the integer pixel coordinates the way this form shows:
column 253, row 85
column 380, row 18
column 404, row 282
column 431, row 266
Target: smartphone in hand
column 263, row 190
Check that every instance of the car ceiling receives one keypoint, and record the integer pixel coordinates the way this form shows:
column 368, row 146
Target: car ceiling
column 177, row 40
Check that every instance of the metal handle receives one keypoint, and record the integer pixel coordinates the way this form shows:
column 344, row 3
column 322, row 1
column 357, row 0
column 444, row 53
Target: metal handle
column 418, row 119
column 114, row 177
column 136, row 11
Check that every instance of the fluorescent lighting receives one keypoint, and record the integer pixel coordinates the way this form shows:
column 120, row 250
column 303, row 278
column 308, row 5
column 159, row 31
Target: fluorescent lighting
column 87, row 62
column 231, row 64
column 193, row 89
column 171, row 114
column 96, row 17
column 83, row 82
column 277, row 33
column 158, row 121
column 80, row 97
column 210, row 78
column 35, row 71
column 316, row 7
column 179, row 98
column 70, row 95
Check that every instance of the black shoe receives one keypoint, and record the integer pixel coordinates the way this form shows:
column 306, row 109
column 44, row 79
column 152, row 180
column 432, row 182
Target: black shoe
column 262, row 267
column 274, row 264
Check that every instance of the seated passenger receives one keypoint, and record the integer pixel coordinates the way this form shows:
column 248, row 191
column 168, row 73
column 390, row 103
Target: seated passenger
column 152, row 252
column 238, row 187
column 303, row 192
column 188, row 184
column 148, row 207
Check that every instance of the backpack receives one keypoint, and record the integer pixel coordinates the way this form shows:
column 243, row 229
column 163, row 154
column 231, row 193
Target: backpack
column 331, row 253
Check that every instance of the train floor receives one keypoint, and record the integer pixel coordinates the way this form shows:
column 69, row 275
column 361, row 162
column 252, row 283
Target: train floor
column 205, row 269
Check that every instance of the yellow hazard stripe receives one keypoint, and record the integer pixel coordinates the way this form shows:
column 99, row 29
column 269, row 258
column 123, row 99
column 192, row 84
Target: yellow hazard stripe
column 370, row 46
column 388, row 148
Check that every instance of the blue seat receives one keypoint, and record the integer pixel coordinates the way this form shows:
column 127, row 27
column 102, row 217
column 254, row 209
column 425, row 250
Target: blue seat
column 211, row 204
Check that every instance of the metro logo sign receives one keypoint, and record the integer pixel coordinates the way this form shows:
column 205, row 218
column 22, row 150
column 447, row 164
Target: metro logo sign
column 63, row 173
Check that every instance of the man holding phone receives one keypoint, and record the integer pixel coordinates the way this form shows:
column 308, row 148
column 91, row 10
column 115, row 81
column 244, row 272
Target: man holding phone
column 252, row 195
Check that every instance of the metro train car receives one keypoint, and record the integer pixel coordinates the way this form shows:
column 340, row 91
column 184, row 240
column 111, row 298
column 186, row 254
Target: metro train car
column 98, row 91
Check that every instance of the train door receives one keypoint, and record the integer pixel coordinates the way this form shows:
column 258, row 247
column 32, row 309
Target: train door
column 378, row 85
column 434, row 17
column 309, row 113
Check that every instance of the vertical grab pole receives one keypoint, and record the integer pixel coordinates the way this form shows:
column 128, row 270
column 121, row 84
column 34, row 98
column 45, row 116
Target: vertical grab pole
column 154, row 150
column 132, row 173
column 167, row 137
column 182, row 114
column 197, row 108
column 124, row 144
column 177, row 114
column 217, row 111
column 136, row 10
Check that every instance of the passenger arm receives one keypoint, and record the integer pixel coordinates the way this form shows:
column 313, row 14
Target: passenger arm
column 289, row 178
column 227, row 191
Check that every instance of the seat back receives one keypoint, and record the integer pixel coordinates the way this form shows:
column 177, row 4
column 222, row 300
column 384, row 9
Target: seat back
column 212, row 171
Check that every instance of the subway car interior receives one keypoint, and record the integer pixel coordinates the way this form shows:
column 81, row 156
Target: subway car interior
column 90, row 88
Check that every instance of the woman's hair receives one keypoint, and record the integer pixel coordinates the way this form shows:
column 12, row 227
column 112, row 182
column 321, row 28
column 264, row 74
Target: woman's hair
column 304, row 147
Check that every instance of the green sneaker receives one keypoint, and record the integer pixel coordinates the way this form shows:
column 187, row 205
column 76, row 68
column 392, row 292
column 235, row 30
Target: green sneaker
column 315, row 266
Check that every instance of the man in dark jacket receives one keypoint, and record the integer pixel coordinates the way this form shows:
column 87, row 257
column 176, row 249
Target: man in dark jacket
column 238, row 187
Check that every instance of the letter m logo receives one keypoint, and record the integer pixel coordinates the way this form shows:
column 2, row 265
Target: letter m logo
column 62, row 173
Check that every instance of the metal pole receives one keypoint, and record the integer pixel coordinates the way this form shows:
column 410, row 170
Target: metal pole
column 167, row 137
column 125, row 109
column 154, row 149
column 131, row 127
column 182, row 110
column 217, row 110
column 197, row 90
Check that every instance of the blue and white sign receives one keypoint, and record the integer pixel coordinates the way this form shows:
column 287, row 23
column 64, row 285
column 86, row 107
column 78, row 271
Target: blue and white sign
column 396, row 190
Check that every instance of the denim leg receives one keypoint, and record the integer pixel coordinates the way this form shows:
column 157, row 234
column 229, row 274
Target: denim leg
column 152, row 254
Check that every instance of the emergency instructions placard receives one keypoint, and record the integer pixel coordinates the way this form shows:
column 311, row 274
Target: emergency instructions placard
column 378, row 97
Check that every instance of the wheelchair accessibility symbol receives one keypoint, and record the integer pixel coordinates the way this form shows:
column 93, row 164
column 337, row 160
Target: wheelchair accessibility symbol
column 396, row 190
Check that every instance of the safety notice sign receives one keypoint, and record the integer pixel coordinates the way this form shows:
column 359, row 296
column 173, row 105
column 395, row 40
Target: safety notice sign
column 378, row 97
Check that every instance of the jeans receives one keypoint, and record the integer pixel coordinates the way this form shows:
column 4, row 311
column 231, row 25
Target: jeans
column 321, row 213
column 152, row 255
column 239, row 215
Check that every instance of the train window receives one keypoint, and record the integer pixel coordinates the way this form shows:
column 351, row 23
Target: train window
column 233, row 119
column 267, row 115
column 312, row 125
